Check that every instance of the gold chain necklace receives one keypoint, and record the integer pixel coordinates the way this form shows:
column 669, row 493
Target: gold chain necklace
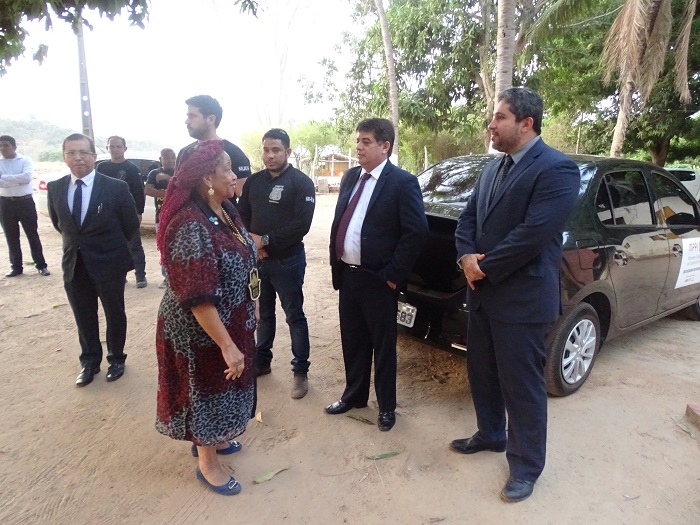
column 232, row 224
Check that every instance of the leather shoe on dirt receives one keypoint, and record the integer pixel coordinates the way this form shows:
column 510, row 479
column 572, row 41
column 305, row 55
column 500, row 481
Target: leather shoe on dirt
column 517, row 490
column 13, row 273
column 339, row 407
column 86, row 375
column 263, row 370
column 300, row 386
column 386, row 421
column 115, row 371
column 44, row 272
column 472, row 445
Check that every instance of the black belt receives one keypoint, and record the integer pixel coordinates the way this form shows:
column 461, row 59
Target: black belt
column 18, row 198
column 353, row 267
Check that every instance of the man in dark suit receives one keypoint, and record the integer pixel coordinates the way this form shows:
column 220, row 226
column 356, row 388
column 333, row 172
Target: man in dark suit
column 96, row 217
column 508, row 240
column 376, row 236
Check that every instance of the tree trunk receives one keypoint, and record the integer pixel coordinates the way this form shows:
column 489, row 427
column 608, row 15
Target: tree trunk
column 659, row 151
column 623, row 119
column 505, row 45
column 485, row 78
column 391, row 73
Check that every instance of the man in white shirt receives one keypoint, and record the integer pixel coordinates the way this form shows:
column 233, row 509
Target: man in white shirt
column 17, row 207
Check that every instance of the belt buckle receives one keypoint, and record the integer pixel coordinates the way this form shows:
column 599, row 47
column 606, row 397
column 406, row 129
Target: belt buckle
column 354, row 267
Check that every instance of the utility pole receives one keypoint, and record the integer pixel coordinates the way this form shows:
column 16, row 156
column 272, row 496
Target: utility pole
column 84, row 90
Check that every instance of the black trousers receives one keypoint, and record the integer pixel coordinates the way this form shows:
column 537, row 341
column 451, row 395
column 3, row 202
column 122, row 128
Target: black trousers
column 368, row 326
column 13, row 212
column 506, row 373
column 138, row 255
column 83, row 293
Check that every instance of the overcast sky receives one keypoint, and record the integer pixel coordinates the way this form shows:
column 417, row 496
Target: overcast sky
column 139, row 79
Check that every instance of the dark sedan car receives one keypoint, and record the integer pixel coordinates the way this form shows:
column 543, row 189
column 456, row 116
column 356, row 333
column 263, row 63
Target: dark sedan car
column 631, row 256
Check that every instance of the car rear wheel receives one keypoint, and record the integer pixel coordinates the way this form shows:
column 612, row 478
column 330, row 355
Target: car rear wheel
column 572, row 347
column 692, row 312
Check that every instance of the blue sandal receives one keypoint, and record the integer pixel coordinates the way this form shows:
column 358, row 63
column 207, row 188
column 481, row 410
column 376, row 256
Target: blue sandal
column 233, row 447
column 227, row 489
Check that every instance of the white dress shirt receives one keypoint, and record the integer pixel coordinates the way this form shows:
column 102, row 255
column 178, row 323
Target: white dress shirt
column 353, row 238
column 88, row 181
column 16, row 176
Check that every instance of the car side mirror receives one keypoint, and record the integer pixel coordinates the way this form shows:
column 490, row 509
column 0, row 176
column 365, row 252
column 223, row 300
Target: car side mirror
column 682, row 222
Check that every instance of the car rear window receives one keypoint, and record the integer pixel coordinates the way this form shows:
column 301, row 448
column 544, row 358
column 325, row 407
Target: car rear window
column 452, row 180
column 623, row 199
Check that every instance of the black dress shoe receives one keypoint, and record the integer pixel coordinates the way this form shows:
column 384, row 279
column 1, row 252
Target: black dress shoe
column 386, row 421
column 115, row 371
column 472, row 445
column 13, row 273
column 517, row 490
column 86, row 375
column 44, row 271
column 339, row 407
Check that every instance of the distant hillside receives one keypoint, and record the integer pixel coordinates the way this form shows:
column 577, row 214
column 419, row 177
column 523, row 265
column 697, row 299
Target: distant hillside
column 41, row 140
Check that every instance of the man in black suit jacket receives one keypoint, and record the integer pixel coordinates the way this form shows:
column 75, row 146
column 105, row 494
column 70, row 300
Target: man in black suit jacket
column 376, row 236
column 96, row 217
column 508, row 240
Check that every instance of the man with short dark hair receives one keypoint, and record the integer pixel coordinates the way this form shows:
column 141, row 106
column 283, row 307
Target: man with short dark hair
column 204, row 115
column 157, row 183
column 122, row 169
column 509, row 245
column 17, row 207
column 377, row 233
column 95, row 216
column 277, row 206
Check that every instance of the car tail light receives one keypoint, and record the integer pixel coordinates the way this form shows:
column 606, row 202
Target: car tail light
column 42, row 185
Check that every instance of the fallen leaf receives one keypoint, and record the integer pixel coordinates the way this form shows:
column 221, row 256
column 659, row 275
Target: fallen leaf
column 58, row 305
column 359, row 418
column 385, row 455
column 268, row 475
column 258, row 417
column 629, row 498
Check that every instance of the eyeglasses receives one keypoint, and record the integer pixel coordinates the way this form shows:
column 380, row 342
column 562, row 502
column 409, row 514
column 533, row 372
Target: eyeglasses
column 78, row 153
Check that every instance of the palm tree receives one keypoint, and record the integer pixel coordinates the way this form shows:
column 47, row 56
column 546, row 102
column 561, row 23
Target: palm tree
column 505, row 45
column 636, row 48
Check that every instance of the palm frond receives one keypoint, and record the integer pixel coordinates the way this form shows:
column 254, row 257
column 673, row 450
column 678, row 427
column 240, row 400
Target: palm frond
column 556, row 14
column 659, row 34
column 681, row 49
column 626, row 42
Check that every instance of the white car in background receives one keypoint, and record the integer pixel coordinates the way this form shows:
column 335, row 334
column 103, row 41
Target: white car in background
column 689, row 177
column 145, row 163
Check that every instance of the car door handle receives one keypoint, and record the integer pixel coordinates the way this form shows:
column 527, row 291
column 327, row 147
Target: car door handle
column 677, row 250
column 620, row 258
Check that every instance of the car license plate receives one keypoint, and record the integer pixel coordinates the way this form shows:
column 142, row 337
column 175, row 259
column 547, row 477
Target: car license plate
column 406, row 314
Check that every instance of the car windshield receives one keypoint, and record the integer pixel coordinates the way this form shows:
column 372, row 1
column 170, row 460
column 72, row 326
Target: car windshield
column 452, row 180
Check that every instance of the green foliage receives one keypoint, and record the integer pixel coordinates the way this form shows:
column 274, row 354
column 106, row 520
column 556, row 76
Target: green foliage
column 42, row 141
column 436, row 45
column 13, row 13
column 51, row 156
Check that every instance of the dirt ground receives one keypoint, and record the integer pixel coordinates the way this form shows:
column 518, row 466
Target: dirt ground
column 619, row 452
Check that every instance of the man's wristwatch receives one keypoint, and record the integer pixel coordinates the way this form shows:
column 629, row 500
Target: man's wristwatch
column 265, row 240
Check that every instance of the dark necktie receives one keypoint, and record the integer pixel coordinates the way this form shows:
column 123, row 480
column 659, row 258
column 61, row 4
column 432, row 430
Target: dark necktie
column 78, row 201
column 506, row 165
column 345, row 219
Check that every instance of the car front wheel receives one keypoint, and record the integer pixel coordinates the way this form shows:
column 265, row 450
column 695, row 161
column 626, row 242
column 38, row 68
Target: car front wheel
column 572, row 347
